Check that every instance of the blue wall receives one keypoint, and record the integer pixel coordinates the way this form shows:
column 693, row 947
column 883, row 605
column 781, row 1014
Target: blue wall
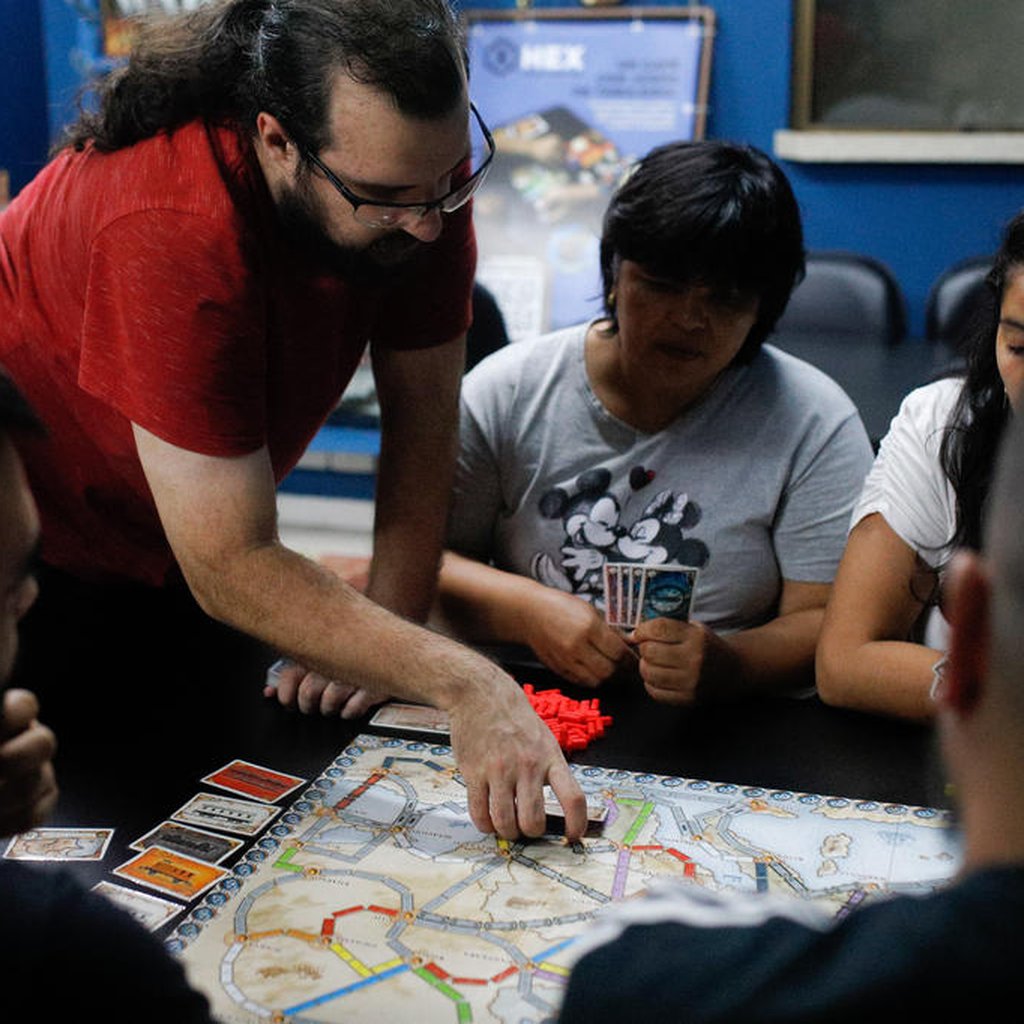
column 917, row 219
column 23, row 128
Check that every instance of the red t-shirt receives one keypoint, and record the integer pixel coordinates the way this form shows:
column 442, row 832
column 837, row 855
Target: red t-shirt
column 151, row 286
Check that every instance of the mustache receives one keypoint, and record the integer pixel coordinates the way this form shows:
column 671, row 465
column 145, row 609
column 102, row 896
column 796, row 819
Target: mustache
column 302, row 222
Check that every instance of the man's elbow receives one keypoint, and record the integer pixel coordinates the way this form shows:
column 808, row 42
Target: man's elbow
column 211, row 576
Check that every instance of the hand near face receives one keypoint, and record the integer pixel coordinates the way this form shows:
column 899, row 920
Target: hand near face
column 28, row 786
column 682, row 662
column 312, row 693
column 571, row 638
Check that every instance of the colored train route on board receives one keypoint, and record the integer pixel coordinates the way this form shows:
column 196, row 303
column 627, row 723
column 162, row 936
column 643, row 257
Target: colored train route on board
column 374, row 897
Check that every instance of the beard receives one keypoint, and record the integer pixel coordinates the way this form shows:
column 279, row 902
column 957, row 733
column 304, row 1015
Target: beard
column 302, row 220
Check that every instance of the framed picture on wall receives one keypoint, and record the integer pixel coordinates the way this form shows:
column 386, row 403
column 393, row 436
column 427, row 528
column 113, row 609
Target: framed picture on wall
column 573, row 98
column 916, row 65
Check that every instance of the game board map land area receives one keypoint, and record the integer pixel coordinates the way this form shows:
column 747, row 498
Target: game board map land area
column 373, row 896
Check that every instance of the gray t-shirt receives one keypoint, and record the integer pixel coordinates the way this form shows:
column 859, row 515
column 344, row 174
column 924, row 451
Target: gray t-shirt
column 753, row 484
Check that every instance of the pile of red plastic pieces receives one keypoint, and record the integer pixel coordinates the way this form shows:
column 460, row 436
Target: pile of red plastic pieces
column 574, row 722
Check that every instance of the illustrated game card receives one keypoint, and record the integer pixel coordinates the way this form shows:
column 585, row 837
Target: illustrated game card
column 667, row 592
column 637, row 578
column 212, row 810
column 188, row 841
column 60, row 844
column 633, row 593
column 157, row 868
column 150, row 911
column 417, row 720
column 254, row 780
column 616, row 590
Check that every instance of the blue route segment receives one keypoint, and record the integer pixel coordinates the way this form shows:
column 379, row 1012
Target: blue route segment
column 761, row 876
column 338, row 993
column 547, row 954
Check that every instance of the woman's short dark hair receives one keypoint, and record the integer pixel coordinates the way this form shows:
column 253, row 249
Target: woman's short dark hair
column 712, row 213
column 982, row 410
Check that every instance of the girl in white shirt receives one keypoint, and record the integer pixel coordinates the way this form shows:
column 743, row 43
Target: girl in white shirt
column 883, row 638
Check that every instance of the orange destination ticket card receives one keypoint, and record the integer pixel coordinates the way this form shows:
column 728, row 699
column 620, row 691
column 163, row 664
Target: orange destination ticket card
column 157, row 868
column 254, row 780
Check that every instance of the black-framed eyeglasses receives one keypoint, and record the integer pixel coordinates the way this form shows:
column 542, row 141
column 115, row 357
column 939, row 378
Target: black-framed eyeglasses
column 378, row 213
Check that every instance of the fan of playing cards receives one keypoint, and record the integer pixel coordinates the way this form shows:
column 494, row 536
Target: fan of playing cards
column 633, row 593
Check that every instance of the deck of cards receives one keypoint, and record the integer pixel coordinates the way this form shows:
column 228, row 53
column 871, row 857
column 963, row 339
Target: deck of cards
column 634, row 593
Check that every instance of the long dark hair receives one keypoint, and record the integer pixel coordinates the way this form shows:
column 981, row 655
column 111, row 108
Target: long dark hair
column 227, row 61
column 713, row 213
column 981, row 412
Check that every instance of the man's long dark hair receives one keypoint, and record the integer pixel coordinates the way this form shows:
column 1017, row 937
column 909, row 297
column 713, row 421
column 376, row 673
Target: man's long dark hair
column 229, row 60
column 981, row 413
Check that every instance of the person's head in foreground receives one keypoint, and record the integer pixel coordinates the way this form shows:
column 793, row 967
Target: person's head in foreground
column 692, row 955
column 357, row 110
column 994, row 350
column 700, row 250
column 19, row 523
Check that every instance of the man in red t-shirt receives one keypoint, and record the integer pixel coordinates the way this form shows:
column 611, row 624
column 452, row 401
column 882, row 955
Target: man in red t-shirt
column 267, row 188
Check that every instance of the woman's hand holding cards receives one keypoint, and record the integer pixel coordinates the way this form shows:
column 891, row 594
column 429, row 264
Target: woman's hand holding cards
column 683, row 662
column 571, row 638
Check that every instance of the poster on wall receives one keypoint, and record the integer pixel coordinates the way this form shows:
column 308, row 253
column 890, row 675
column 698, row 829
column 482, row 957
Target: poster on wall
column 573, row 98
column 119, row 18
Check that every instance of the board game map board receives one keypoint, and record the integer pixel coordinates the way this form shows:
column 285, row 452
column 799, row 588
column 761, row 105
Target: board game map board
column 374, row 898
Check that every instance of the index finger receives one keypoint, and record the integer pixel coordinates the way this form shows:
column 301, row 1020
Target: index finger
column 478, row 802
column 565, row 787
column 610, row 642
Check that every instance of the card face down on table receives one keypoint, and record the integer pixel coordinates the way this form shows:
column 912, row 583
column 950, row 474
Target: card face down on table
column 416, row 721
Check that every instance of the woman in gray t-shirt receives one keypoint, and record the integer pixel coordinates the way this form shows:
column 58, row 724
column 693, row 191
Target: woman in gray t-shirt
column 662, row 433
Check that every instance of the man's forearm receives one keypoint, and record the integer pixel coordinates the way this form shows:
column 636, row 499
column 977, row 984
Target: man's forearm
column 418, row 394
column 297, row 607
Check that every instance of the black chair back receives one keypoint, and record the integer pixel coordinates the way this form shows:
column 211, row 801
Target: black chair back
column 846, row 293
column 954, row 299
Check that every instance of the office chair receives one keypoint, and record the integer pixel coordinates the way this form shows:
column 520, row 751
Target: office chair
column 954, row 298
column 846, row 293
column 487, row 333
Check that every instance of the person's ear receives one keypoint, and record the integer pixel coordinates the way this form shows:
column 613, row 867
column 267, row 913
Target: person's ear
column 276, row 142
column 967, row 604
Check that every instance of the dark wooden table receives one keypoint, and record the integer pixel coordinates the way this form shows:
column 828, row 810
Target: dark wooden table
column 194, row 709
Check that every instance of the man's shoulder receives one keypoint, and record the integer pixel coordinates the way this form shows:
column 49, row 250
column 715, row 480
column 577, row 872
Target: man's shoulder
column 941, row 950
column 195, row 171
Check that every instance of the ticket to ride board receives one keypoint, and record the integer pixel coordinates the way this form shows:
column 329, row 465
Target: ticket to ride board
column 373, row 897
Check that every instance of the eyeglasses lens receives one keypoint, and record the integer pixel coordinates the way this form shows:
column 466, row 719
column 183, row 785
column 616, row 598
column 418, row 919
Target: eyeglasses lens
column 476, row 168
